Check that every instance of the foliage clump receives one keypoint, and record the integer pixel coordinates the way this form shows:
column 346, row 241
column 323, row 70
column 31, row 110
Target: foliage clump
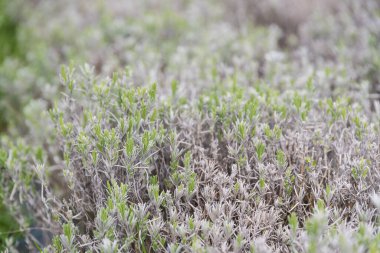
column 228, row 171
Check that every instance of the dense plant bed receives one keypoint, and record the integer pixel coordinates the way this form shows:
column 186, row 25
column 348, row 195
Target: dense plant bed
column 236, row 170
column 203, row 126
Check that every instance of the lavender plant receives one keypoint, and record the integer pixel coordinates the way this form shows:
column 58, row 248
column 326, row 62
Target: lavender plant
column 264, row 139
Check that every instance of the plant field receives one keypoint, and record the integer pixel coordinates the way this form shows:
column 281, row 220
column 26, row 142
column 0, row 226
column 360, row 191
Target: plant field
column 190, row 126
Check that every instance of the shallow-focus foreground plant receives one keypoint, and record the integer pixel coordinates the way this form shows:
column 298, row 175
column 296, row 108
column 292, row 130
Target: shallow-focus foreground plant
column 226, row 172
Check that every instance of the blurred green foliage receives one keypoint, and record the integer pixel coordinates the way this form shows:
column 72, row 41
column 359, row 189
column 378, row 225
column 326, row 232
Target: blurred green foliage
column 8, row 33
column 8, row 42
column 9, row 46
column 7, row 225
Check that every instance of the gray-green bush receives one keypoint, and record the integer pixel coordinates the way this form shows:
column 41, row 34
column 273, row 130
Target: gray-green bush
column 217, row 137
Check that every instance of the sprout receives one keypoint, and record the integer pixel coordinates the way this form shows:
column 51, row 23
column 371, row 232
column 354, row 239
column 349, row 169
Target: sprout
column 260, row 150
